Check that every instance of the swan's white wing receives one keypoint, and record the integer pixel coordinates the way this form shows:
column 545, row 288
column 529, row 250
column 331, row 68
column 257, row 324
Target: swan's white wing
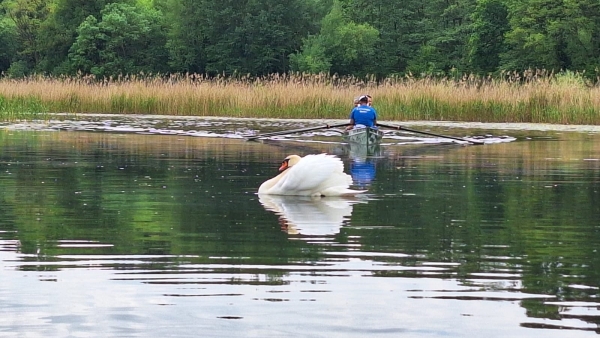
column 314, row 171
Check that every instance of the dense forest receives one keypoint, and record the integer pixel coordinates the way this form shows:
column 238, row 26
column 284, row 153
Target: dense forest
column 346, row 37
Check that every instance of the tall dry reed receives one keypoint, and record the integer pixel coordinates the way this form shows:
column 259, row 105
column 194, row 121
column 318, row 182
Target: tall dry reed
column 536, row 97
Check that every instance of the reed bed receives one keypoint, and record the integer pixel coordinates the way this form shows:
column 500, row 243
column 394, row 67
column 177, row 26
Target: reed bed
column 536, row 97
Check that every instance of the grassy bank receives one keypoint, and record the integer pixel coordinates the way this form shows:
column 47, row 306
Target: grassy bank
column 563, row 99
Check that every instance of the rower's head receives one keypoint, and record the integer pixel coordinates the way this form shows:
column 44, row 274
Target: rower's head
column 364, row 99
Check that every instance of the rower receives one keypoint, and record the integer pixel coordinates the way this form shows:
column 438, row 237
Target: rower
column 363, row 115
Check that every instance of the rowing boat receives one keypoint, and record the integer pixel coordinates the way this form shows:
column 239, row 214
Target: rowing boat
column 363, row 142
column 364, row 136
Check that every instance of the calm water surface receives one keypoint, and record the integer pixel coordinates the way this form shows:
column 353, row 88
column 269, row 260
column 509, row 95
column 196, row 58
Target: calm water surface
column 112, row 228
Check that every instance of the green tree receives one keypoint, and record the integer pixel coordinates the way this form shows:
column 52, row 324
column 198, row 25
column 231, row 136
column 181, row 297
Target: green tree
column 429, row 60
column 403, row 27
column 232, row 36
column 552, row 34
column 127, row 40
column 27, row 16
column 451, row 32
column 313, row 58
column 490, row 23
column 270, row 31
column 411, row 30
column 220, row 23
column 59, row 31
column 8, row 43
column 186, row 37
column 342, row 47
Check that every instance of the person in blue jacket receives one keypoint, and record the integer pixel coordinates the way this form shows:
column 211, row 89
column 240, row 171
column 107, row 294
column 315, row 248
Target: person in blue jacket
column 363, row 115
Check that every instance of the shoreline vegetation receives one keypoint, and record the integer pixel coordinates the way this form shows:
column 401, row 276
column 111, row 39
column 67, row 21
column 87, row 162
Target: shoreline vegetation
column 530, row 97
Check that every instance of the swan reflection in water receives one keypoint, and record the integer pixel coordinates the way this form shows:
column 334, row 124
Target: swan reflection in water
column 310, row 216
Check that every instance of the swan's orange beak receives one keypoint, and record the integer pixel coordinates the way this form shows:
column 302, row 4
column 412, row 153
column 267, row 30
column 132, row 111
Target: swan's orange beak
column 284, row 165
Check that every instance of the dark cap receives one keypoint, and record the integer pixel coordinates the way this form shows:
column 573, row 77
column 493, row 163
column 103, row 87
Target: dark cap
column 363, row 98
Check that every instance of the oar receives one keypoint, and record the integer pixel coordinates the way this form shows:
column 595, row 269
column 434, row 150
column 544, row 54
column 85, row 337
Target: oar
column 285, row 132
column 430, row 134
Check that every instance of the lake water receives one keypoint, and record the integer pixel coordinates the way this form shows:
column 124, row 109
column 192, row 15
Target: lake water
column 148, row 226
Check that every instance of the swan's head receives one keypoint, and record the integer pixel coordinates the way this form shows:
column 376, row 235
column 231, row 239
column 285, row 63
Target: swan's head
column 289, row 161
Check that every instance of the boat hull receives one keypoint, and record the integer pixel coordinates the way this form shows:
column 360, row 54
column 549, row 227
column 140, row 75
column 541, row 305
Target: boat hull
column 363, row 136
column 363, row 142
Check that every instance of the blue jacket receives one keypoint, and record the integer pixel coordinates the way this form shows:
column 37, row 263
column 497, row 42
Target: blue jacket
column 364, row 114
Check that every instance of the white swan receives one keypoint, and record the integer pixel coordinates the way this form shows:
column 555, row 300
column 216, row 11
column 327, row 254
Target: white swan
column 311, row 175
